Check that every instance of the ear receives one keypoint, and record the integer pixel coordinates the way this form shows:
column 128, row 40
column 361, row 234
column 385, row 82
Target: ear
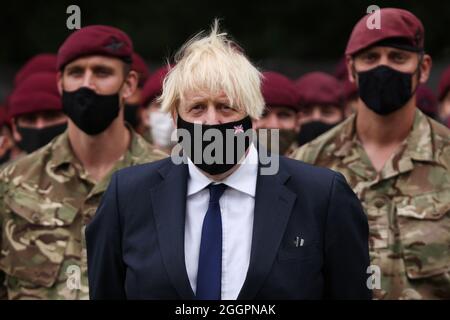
column 350, row 69
column 59, row 80
column 130, row 84
column 15, row 132
column 425, row 68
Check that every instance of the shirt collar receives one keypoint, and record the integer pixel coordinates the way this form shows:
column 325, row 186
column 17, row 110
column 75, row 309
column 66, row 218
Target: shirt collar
column 243, row 179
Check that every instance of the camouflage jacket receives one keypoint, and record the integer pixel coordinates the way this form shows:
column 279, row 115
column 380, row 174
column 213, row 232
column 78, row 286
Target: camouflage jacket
column 407, row 203
column 46, row 200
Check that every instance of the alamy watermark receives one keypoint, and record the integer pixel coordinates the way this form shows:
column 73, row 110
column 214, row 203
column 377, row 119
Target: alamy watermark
column 374, row 20
column 211, row 146
column 73, row 22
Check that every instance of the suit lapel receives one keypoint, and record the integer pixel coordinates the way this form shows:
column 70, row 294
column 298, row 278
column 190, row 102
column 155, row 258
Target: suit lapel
column 169, row 208
column 273, row 206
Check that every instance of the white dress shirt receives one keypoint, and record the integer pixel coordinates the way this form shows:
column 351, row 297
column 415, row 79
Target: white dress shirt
column 236, row 205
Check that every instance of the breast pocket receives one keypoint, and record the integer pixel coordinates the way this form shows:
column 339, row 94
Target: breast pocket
column 378, row 210
column 424, row 223
column 36, row 232
column 292, row 253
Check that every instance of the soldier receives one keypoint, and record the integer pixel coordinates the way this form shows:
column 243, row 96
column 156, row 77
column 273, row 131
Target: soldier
column 36, row 112
column 321, row 104
column 44, row 62
column 48, row 197
column 427, row 102
column 396, row 159
column 349, row 89
column 161, row 124
column 6, row 142
column 281, row 111
column 134, row 112
column 444, row 96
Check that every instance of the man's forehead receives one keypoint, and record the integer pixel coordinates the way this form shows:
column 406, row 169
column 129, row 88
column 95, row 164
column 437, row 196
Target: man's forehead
column 92, row 61
column 205, row 94
column 384, row 49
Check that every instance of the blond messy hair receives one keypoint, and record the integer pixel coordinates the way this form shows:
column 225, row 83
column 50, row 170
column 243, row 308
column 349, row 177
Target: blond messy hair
column 213, row 63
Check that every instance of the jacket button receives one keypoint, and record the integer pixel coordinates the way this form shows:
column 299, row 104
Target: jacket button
column 379, row 203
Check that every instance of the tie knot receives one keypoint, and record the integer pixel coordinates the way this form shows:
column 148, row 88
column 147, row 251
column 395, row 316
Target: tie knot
column 216, row 191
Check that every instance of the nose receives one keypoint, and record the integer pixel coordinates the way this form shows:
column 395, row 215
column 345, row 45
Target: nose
column 40, row 122
column 88, row 79
column 316, row 115
column 384, row 60
column 272, row 121
column 211, row 115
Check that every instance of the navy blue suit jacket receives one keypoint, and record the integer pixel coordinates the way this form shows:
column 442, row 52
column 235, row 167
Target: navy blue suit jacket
column 135, row 243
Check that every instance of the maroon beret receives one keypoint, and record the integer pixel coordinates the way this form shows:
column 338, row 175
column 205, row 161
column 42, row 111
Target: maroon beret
column 349, row 90
column 394, row 24
column 278, row 90
column 95, row 40
column 444, row 84
column 319, row 88
column 153, row 86
column 140, row 66
column 340, row 71
column 426, row 100
column 38, row 92
column 44, row 62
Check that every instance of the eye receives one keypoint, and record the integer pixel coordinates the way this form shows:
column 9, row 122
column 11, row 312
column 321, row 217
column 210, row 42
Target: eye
column 328, row 110
column 306, row 111
column 52, row 115
column 399, row 57
column 370, row 57
column 103, row 72
column 75, row 72
column 284, row 115
column 27, row 119
column 225, row 107
column 197, row 108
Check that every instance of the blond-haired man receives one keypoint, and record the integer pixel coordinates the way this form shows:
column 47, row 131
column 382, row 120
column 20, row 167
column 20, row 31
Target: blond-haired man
column 202, row 229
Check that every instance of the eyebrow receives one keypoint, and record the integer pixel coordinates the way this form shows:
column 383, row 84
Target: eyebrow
column 398, row 51
column 73, row 68
column 223, row 100
column 94, row 67
column 102, row 67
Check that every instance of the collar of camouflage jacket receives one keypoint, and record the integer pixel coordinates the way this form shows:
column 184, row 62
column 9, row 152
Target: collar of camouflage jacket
column 63, row 157
column 418, row 146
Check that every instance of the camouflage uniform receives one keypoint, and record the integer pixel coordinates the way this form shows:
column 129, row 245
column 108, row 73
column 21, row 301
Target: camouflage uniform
column 407, row 203
column 147, row 135
column 294, row 146
column 46, row 200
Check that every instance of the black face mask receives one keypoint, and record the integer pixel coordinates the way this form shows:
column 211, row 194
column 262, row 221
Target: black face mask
column 385, row 90
column 198, row 144
column 311, row 130
column 91, row 112
column 33, row 139
column 131, row 114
